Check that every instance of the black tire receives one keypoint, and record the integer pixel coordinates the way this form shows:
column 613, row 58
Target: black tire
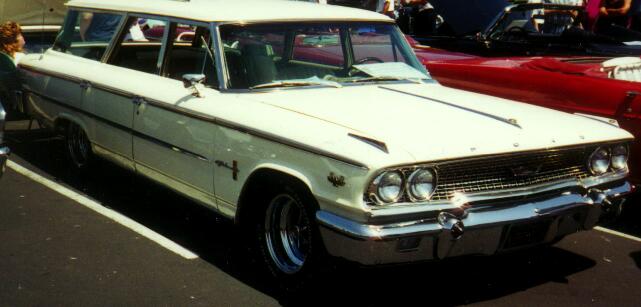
column 78, row 147
column 287, row 235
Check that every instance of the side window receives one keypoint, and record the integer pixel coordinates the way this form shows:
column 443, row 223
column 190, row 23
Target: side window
column 189, row 52
column 87, row 34
column 139, row 46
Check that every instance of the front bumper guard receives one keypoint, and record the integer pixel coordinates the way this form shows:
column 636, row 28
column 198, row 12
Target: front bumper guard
column 4, row 156
column 475, row 229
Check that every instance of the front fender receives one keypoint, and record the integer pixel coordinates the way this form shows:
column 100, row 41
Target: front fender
column 285, row 170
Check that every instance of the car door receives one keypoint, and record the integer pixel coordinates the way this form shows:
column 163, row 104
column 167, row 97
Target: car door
column 66, row 69
column 87, row 35
column 172, row 142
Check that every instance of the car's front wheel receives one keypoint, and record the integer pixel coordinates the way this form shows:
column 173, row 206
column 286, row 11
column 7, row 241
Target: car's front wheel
column 288, row 237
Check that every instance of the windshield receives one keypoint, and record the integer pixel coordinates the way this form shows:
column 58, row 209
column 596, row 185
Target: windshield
column 331, row 54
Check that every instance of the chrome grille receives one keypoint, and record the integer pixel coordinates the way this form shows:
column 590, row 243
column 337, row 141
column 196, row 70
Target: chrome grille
column 510, row 171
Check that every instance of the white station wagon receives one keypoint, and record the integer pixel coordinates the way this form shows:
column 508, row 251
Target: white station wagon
column 317, row 131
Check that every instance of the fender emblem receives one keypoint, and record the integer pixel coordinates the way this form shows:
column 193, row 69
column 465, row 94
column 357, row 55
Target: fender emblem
column 525, row 171
column 336, row 180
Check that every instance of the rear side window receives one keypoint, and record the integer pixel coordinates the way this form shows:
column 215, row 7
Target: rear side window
column 139, row 46
column 87, row 34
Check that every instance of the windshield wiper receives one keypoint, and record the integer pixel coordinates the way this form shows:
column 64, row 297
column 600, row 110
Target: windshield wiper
column 295, row 84
column 381, row 78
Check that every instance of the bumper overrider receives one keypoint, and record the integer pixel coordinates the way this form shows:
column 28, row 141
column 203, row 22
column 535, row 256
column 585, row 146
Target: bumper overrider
column 474, row 225
column 4, row 156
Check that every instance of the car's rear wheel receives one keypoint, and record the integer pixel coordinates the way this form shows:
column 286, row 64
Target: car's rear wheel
column 288, row 236
column 78, row 147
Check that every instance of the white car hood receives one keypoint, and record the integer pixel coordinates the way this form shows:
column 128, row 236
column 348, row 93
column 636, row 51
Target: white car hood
column 431, row 122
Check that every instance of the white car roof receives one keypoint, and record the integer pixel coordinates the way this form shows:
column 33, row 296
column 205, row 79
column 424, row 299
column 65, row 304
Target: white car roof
column 234, row 10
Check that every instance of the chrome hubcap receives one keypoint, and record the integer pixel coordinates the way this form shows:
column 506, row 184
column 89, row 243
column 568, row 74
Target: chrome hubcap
column 287, row 233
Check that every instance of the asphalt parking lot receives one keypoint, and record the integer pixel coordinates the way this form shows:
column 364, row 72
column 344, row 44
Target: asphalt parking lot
column 57, row 252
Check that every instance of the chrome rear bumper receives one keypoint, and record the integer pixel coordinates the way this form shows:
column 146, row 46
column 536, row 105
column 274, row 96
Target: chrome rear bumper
column 4, row 155
column 485, row 228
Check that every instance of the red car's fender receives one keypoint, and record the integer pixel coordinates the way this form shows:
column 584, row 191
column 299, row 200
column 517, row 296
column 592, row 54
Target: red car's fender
column 579, row 88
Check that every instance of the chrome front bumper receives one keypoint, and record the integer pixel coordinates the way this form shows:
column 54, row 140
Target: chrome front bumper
column 476, row 228
column 4, row 155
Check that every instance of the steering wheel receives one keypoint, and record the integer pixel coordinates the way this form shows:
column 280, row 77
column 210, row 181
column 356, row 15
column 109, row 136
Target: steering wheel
column 353, row 71
column 514, row 31
column 368, row 59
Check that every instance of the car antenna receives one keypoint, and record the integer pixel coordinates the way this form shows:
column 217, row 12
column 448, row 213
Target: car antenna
column 42, row 30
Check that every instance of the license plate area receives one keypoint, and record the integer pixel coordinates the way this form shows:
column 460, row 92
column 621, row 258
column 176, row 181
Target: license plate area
column 525, row 234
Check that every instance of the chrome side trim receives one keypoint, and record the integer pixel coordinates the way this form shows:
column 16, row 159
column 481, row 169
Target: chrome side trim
column 511, row 122
column 123, row 128
column 49, row 73
column 199, row 116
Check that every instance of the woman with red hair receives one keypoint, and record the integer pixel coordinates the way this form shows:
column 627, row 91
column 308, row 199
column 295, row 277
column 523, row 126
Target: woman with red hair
column 11, row 40
column 11, row 47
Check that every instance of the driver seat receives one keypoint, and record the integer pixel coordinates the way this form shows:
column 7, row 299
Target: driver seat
column 259, row 63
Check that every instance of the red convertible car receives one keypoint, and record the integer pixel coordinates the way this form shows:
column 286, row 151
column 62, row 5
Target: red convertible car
column 532, row 53
column 603, row 87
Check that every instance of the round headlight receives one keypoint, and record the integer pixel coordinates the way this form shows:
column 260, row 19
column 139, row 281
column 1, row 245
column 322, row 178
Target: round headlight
column 421, row 184
column 600, row 161
column 389, row 186
column 620, row 157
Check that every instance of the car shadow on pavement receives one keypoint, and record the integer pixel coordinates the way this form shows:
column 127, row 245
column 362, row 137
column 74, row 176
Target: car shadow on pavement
column 451, row 282
column 628, row 222
column 212, row 237
column 636, row 256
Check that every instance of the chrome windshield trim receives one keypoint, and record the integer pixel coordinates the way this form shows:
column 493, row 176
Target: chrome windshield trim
column 219, row 54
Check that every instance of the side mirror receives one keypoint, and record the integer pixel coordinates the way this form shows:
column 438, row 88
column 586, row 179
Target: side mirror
column 192, row 81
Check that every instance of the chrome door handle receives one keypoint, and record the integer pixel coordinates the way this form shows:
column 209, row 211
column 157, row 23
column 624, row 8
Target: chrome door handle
column 84, row 84
column 140, row 104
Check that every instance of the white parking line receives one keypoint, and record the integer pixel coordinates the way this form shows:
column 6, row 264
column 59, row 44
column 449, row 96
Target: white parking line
column 616, row 233
column 113, row 215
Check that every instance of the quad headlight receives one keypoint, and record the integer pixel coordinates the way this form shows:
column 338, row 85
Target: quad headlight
column 421, row 184
column 389, row 186
column 403, row 185
column 619, row 157
column 613, row 158
column 600, row 161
